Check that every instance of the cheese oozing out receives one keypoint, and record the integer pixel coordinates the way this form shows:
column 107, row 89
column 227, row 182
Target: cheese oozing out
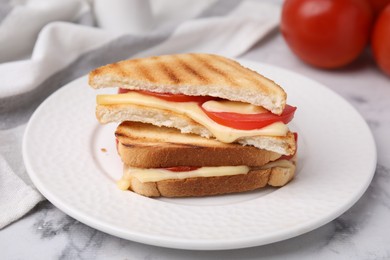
column 194, row 111
column 160, row 174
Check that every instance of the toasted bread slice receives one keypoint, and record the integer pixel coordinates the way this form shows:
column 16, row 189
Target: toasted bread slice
column 118, row 113
column 192, row 74
column 147, row 146
column 205, row 186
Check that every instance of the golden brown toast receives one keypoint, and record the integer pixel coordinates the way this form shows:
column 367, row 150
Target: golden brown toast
column 147, row 146
column 193, row 74
column 206, row 186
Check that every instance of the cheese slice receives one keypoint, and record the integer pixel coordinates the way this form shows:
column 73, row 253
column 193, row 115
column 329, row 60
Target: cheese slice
column 160, row 174
column 192, row 110
column 233, row 107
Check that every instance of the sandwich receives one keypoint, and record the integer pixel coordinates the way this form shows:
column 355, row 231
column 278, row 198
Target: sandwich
column 196, row 125
column 161, row 161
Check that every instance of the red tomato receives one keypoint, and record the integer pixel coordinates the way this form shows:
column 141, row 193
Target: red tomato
column 251, row 121
column 182, row 168
column 378, row 5
column 172, row 97
column 326, row 33
column 380, row 41
column 123, row 90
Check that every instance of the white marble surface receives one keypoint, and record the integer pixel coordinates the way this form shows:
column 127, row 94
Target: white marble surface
column 360, row 233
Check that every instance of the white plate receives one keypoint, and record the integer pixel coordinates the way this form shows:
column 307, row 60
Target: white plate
column 72, row 160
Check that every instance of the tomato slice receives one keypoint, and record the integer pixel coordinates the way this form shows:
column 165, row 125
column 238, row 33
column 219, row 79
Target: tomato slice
column 250, row 121
column 182, row 168
column 171, row 97
column 123, row 90
column 233, row 120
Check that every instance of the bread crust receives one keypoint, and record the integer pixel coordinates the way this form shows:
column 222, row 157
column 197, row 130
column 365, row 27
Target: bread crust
column 207, row 186
column 194, row 74
column 281, row 176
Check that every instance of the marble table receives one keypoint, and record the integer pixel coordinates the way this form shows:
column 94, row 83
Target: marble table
column 360, row 233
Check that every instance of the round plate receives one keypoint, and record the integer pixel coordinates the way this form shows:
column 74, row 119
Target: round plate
column 72, row 161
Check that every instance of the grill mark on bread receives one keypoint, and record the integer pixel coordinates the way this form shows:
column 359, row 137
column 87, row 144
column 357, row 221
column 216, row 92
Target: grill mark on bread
column 186, row 145
column 143, row 70
column 96, row 72
column 140, row 141
column 146, row 142
column 118, row 68
column 168, row 71
column 128, row 145
column 234, row 64
column 206, row 64
column 244, row 71
column 119, row 134
column 187, row 67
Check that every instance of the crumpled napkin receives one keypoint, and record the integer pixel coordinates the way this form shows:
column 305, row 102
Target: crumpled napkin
column 46, row 44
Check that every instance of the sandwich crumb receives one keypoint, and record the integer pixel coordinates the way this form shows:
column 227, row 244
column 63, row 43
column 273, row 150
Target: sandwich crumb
column 103, row 150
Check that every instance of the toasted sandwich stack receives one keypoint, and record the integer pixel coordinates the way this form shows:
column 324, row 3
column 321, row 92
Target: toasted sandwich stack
column 196, row 125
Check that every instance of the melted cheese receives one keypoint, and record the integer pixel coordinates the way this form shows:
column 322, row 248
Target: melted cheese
column 192, row 110
column 233, row 107
column 158, row 174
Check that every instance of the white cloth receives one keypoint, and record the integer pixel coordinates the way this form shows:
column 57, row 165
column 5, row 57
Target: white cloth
column 16, row 198
column 45, row 44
